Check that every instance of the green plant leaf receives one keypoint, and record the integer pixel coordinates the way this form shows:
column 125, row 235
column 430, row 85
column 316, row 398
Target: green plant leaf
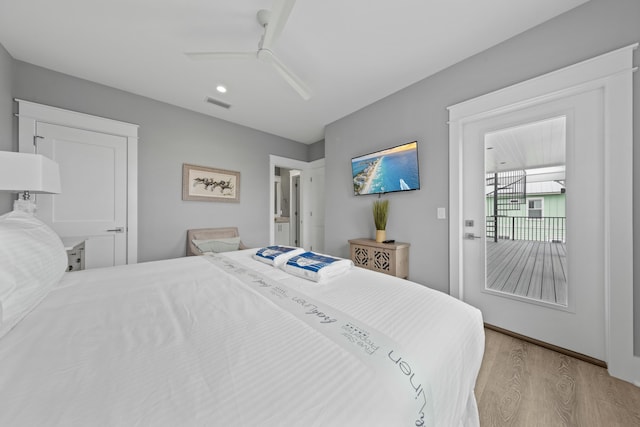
column 380, row 214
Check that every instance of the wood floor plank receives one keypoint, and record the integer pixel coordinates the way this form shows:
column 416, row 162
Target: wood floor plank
column 524, row 278
column 501, row 396
column 503, row 279
column 548, row 291
column 495, row 252
column 559, row 260
column 564, row 388
column 528, row 268
column 507, row 278
column 495, row 276
column 523, row 254
column 523, row 384
column 535, row 289
column 491, row 349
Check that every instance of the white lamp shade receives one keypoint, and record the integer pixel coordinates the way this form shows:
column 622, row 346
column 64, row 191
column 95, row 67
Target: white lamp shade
column 34, row 173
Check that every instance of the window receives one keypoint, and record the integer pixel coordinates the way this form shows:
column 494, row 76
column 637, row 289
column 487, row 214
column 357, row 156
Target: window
column 534, row 208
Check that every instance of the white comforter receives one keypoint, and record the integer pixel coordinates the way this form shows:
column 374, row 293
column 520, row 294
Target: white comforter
column 182, row 343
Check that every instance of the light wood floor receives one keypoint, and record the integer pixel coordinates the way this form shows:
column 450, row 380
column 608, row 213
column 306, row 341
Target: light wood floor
column 522, row 384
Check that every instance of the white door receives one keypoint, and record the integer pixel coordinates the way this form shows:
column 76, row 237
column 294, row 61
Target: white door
column 93, row 202
column 578, row 325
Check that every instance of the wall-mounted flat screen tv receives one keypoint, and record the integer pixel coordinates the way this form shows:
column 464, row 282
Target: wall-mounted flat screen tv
column 386, row 171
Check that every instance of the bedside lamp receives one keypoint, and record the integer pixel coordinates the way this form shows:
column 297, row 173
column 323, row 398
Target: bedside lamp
column 28, row 173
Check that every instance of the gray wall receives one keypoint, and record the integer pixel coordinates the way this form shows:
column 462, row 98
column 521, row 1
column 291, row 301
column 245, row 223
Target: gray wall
column 6, row 117
column 170, row 136
column 316, row 151
column 419, row 112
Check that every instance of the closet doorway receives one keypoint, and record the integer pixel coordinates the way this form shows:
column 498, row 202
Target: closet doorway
column 98, row 171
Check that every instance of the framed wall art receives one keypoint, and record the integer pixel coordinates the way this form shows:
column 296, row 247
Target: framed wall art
column 201, row 183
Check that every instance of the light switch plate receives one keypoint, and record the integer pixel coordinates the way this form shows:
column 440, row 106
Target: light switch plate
column 442, row 213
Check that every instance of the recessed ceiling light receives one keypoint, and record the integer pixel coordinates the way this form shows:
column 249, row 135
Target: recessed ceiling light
column 221, row 89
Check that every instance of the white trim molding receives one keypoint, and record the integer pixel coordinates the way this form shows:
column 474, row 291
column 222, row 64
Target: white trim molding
column 613, row 73
column 31, row 113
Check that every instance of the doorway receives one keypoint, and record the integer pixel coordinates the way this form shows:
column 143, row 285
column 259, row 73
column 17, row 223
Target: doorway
column 301, row 197
column 92, row 207
column 294, row 197
column 565, row 309
column 611, row 74
column 286, row 206
column 99, row 209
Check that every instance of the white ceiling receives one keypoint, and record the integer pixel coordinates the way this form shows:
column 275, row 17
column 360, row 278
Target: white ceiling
column 535, row 145
column 350, row 53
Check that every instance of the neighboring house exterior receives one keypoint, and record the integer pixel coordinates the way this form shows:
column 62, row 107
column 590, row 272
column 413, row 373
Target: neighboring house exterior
column 540, row 215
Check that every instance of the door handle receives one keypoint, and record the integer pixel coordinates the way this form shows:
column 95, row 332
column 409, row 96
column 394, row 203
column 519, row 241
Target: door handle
column 117, row 230
column 471, row 236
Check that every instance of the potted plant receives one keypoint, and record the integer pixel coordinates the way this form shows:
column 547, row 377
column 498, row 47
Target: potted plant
column 380, row 214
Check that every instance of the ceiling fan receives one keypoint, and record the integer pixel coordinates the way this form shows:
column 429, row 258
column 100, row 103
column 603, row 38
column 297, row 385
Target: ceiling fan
column 273, row 22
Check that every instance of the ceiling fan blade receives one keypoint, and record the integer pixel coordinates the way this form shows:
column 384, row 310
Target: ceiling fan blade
column 278, row 18
column 293, row 80
column 206, row 56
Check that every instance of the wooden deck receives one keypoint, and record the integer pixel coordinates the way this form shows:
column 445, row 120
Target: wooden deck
column 527, row 268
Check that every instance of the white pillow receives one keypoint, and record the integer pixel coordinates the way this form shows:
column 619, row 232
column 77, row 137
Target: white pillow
column 276, row 255
column 32, row 261
column 218, row 245
column 317, row 267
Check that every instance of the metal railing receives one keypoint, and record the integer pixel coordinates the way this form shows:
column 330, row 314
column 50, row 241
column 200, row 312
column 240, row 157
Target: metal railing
column 543, row 229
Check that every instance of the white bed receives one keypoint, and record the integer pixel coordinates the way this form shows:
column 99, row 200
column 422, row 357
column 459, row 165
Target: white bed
column 190, row 342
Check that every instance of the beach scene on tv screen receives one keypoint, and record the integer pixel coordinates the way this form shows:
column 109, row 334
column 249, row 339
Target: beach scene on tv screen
column 395, row 169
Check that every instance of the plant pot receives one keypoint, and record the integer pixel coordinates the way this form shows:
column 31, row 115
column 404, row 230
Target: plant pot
column 381, row 236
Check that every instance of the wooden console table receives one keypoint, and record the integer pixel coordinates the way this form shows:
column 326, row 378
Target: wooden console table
column 388, row 258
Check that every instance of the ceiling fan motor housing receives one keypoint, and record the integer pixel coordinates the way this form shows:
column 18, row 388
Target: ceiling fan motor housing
column 263, row 17
column 265, row 55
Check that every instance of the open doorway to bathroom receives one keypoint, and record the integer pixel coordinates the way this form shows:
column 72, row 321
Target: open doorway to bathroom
column 296, row 208
column 287, row 206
